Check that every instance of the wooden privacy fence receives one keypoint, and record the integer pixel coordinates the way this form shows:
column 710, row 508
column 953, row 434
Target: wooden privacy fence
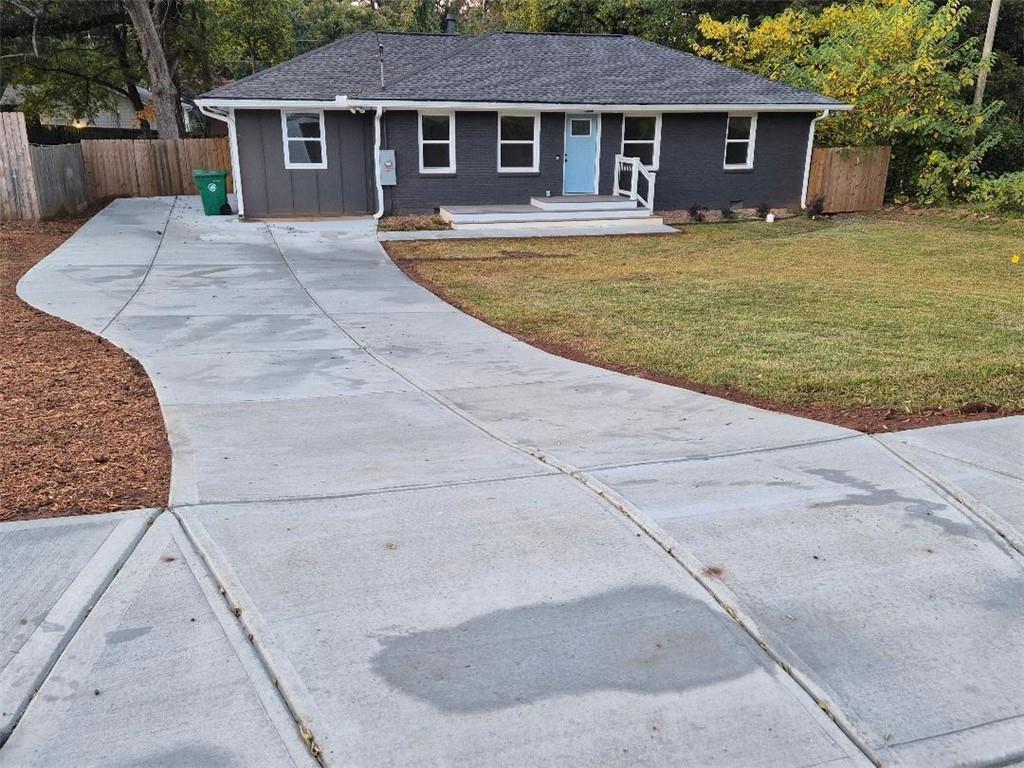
column 60, row 180
column 147, row 167
column 18, row 197
column 45, row 181
column 848, row 178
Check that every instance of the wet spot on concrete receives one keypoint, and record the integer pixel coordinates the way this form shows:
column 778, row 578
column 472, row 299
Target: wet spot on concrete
column 126, row 635
column 646, row 640
column 869, row 494
column 189, row 754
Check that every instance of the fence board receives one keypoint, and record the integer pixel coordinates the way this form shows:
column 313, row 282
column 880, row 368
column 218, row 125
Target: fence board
column 18, row 198
column 849, row 178
column 60, row 179
column 145, row 167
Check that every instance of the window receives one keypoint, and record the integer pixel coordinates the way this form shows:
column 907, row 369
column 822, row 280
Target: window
column 579, row 127
column 437, row 142
column 739, row 140
column 303, row 134
column 518, row 143
column 641, row 138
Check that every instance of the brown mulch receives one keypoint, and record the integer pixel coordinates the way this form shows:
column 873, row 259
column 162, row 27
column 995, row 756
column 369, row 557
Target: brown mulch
column 80, row 427
column 412, row 223
column 866, row 419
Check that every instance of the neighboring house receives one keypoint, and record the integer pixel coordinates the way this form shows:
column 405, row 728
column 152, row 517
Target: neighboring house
column 121, row 115
column 504, row 119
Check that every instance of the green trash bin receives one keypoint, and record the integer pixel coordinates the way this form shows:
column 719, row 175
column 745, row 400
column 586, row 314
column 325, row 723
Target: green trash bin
column 213, row 188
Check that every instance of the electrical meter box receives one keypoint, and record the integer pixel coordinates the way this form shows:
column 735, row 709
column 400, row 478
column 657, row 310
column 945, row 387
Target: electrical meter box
column 388, row 176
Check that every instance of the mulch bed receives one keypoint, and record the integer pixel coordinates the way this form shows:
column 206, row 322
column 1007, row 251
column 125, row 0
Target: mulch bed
column 80, row 428
column 867, row 419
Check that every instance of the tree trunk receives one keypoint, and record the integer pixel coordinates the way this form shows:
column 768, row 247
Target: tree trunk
column 986, row 51
column 165, row 94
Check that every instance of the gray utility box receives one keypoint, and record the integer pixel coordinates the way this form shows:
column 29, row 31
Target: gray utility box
column 388, row 177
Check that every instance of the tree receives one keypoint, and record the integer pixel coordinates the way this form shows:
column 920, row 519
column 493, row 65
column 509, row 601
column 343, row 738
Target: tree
column 169, row 120
column 904, row 64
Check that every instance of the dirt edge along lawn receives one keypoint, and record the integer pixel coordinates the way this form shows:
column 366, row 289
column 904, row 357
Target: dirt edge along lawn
column 873, row 282
column 81, row 430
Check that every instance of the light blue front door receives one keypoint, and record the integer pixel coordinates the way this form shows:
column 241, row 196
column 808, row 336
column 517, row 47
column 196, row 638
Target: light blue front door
column 580, row 155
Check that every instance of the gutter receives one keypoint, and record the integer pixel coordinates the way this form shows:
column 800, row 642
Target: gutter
column 236, row 170
column 807, row 158
column 343, row 102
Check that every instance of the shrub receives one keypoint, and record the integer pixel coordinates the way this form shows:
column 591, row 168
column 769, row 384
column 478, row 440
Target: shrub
column 696, row 212
column 763, row 210
column 728, row 214
column 1001, row 194
column 816, row 206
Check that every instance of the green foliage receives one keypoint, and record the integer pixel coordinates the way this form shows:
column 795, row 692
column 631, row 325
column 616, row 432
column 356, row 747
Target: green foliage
column 250, row 35
column 1000, row 194
column 904, row 64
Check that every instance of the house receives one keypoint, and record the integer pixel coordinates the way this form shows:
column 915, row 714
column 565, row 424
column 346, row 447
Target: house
column 120, row 114
column 512, row 126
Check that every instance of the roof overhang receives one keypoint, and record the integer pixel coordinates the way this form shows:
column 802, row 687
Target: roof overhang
column 343, row 102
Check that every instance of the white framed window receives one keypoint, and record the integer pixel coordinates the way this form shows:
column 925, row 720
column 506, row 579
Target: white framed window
column 437, row 142
column 303, row 137
column 518, row 142
column 740, row 131
column 641, row 138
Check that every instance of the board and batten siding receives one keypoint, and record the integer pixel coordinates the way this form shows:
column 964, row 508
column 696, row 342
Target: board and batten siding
column 344, row 187
column 476, row 180
column 692, row 152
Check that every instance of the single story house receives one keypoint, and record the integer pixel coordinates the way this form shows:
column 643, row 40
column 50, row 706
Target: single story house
column 504, row 125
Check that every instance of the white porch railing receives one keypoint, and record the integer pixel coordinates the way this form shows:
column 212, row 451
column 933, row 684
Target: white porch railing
column 634, row 170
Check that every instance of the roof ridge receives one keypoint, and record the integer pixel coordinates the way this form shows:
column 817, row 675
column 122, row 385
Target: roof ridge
column 471, row 42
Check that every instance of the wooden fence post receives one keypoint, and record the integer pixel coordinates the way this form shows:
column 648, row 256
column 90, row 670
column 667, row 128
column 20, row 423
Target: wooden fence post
column 18, row 196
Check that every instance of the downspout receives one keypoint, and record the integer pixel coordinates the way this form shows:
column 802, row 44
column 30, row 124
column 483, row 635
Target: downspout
column 807, row 159
column 236, row 171
column 376, row 159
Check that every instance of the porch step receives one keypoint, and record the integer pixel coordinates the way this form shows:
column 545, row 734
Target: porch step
column 522, row 214
column 583, row 202
column 630, row 224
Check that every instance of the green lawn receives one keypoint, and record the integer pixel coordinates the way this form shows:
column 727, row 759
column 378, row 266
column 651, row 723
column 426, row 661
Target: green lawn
column 907, row 312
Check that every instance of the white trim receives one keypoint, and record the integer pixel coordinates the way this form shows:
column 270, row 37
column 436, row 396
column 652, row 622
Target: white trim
column 378, row 186
column 807, row 158
column 655, row 142
column 535, row 166
column 343, row 102
column 597, row 158
column 748, row 164
column 286, row 140
column 236, row 167
column 450, row 168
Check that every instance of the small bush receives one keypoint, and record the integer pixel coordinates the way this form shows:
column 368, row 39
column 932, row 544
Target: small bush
column 763, row 210
column 728, row 214
column 1000, row 194
column 696, row 212
column 816, row 206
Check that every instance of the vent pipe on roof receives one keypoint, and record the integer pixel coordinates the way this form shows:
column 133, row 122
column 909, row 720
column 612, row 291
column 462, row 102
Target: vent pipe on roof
column 451, row 24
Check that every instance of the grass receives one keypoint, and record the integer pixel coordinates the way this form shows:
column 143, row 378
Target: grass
column 892, row 312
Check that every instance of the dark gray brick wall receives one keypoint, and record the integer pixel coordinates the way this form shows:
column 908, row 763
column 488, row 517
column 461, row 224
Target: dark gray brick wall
column 477, row 181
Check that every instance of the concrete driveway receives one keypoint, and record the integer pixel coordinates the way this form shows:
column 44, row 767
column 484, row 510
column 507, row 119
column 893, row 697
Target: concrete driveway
column 400, row 537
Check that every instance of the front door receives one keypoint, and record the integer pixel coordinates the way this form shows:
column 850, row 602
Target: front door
column 580, row 155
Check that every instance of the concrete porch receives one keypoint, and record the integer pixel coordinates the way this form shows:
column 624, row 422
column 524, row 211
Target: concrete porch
column 557, row 209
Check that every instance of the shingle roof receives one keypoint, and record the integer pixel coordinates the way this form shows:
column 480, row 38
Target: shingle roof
column 512, row 67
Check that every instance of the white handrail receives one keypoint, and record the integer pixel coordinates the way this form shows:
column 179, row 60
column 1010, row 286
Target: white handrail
column 636, row 169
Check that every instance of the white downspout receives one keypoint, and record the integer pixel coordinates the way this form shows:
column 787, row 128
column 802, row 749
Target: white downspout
column 376, row 159
column 807, row 159
column 236, row 171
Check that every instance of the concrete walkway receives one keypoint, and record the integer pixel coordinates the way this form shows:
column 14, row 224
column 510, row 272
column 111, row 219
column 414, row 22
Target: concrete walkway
column 398, row 536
